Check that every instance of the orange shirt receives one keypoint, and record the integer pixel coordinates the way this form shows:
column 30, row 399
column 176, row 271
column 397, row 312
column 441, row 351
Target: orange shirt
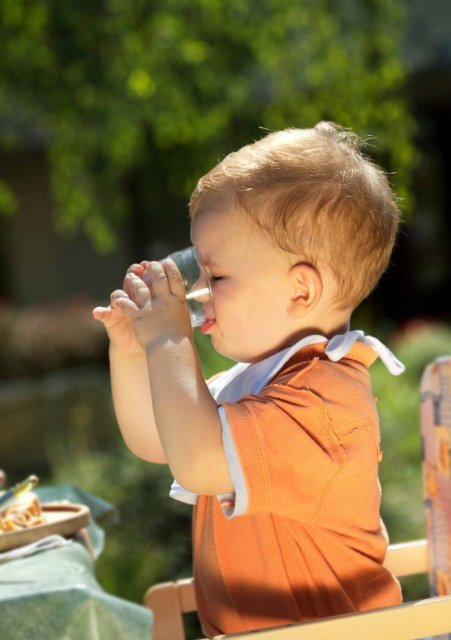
column 311, row 542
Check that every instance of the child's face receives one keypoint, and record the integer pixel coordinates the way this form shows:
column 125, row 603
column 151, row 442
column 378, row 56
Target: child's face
column 250, row 285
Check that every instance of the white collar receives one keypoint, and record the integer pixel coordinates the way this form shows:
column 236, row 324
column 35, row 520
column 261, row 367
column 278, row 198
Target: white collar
column 243, row 378
column 247, row 378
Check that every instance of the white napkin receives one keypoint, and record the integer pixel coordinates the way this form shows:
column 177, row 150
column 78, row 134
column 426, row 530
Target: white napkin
column 34, row 547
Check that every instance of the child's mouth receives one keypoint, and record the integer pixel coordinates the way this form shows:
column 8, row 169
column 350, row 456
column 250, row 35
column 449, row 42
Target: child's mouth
column 207, row 325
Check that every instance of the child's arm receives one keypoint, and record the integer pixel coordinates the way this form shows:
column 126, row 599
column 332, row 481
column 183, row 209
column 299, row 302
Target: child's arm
column 132, row 402
column 185, row 413
column 130, row 381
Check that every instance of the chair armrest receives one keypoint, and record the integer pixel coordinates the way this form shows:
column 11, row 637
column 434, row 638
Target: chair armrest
column 408, row 621
column 169, row 601
column 407, row 558
column 185, row 589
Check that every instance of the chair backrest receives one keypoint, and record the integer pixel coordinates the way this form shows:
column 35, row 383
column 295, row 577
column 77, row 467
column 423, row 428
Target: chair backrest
column 436, row 450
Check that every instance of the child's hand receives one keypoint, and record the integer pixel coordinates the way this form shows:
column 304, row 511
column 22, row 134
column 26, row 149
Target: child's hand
column 120, row 330
column 157, row 308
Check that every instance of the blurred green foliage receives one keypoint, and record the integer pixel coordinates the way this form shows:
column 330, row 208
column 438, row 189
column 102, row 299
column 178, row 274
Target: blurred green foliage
column 136, row 100
column 153, row 541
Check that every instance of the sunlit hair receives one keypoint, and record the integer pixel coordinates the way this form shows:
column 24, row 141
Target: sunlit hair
column 316, row 196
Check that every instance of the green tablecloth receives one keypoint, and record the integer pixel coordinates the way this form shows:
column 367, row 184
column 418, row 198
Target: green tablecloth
column 54, row 595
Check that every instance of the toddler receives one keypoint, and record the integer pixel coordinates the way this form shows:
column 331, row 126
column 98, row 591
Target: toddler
column 279, row 455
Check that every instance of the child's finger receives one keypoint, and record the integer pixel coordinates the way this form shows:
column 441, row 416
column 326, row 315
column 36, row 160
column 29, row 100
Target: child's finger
column 127, row 306
column 156, row 274
column 101, row 313
column 137, row 269
column 116, row 295
column 176, row 284
column 139, row 291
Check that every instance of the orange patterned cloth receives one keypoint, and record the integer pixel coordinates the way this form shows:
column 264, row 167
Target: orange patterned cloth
column 436, row 447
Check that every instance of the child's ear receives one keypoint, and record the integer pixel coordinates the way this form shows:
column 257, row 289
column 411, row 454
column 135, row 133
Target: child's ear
column 306, row 289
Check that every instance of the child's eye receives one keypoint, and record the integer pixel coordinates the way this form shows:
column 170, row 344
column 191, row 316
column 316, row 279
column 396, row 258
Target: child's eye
column 216, row 278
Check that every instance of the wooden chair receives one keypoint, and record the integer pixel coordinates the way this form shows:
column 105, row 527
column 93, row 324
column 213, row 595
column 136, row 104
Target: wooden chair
column 409, row 621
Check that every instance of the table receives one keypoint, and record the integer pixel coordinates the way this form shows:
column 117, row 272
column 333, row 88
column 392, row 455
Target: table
column 54, row 594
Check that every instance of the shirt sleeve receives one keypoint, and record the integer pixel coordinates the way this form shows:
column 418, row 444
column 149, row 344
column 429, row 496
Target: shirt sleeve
column 282, row 453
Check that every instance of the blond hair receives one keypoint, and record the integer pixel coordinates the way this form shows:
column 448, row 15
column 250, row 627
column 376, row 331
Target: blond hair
column 317, row 196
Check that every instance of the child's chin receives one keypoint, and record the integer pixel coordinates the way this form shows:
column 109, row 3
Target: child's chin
column 232, row 354
column 220, row 348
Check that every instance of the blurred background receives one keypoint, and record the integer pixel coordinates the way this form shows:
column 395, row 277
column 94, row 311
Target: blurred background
column 110, row 111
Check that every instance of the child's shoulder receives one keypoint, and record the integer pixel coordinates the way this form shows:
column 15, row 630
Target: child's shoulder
column 321, row 370
column 345, row 384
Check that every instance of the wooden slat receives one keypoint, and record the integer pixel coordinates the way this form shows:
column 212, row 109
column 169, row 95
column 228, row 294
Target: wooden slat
column 186, row 594
column 407, row 558
column 163, row 599
column 406, row 622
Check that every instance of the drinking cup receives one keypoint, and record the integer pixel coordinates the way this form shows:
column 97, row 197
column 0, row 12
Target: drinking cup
column 197, row 285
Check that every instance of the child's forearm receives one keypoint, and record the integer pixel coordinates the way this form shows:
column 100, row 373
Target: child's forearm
column 186, row 417
column 133, row 405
